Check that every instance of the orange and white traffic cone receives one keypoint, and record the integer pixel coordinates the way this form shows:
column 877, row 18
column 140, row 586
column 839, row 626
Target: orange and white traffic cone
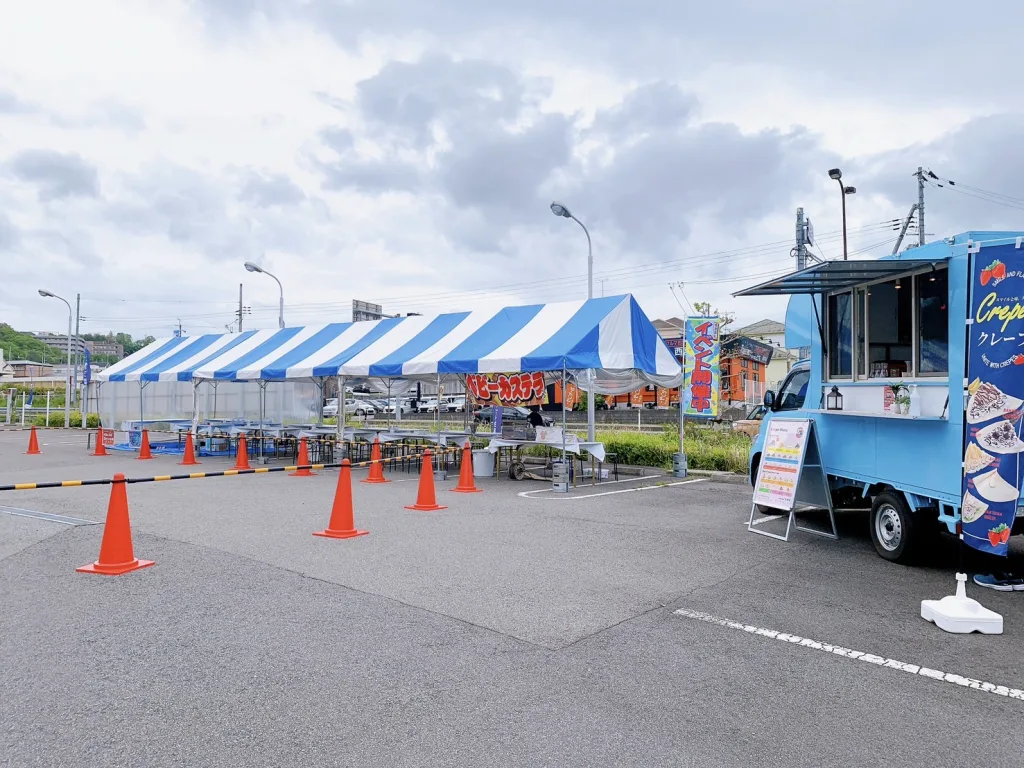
column 33, row 443
column 466, row 484
column 144, row 452
column 117, row 555
column 190, row 452
column 376, row 465
column 242, row 461
column 343, row 524
column 101, row 450
column 426, row 499
column 303, row 460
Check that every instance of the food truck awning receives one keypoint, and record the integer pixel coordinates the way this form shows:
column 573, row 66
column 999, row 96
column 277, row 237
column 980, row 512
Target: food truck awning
column 837, row 276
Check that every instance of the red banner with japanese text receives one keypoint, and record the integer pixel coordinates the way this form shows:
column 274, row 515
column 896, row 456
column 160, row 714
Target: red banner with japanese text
column 506, row 388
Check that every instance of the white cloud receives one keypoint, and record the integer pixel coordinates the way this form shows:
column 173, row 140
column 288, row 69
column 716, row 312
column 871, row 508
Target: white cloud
column 382, row 152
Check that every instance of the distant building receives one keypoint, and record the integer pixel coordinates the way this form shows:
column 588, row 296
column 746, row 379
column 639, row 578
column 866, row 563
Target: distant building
column 772, row 332
column 745, row 364
column 110, row 349
column 30, row 369
column 59, row 342
column 669, row 329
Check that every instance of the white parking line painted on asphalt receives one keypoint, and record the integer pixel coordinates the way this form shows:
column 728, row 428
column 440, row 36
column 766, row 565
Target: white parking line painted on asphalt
column 46, row 516
column 767, row 519
column 560, row 497
column 846, row 653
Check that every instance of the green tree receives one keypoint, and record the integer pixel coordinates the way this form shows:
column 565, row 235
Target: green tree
column 725, row 318
column 25, row 346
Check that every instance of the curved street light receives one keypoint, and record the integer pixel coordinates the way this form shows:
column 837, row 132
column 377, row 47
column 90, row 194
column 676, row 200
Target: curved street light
column 67, row 392
column 837, row 174
column 251, row 267
column 560, row 209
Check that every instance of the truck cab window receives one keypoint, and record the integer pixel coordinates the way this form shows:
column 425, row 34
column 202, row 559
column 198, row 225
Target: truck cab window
column 933, row 322
column 793, row 392
column 840, row 335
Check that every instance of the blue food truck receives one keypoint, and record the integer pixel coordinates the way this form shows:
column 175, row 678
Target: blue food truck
column 886, row 383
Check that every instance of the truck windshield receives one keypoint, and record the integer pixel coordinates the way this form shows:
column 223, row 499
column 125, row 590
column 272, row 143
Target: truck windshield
column 793, row 392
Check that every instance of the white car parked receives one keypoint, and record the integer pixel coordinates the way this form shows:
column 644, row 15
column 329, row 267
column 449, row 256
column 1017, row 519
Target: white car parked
column 359, row 408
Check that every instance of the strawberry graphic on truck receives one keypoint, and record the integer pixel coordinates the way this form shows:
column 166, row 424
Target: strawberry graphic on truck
column 994, row 271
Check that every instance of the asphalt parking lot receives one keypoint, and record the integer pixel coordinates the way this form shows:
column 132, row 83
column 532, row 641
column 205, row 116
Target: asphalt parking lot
column 505, row 630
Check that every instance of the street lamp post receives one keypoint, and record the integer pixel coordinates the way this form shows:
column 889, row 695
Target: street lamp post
column 67, row 393
column 560, row 210
column 250, row 267
column 837, row 174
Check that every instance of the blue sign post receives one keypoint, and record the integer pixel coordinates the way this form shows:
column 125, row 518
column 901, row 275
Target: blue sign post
column 995, row 375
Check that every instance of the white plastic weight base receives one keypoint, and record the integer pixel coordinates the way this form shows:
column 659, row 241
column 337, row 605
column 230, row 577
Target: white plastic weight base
column 960, row 614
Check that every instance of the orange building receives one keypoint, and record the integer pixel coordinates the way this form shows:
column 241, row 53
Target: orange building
column 744, row 374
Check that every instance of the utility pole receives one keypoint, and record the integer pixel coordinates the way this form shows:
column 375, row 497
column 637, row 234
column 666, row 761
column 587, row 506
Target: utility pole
column 920, row 205
column 801, row 240
column 78, row 319
column 240, row 309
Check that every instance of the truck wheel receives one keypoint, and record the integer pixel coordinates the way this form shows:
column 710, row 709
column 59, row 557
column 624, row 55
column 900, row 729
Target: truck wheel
column 893, row 528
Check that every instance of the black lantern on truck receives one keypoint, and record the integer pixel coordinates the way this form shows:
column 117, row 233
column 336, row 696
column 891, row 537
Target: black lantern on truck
column 834, row 400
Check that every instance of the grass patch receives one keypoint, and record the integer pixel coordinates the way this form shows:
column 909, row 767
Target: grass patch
column 708, row 449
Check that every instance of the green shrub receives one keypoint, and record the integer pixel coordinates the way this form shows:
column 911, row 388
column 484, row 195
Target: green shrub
column 707, row 449
column 57, row 420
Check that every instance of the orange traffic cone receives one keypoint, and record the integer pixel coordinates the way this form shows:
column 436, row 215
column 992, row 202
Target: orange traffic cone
column 190, row 452
column 343, row 524
column 242, row 462
column 144, row 452
column 33, row 444
column 303, row 460
column 426, row 500
column 466, row 484
column 377, row 465
column 116, row 553
column 101, row 449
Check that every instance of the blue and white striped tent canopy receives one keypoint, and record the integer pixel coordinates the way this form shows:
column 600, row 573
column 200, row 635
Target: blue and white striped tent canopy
column 610, row 335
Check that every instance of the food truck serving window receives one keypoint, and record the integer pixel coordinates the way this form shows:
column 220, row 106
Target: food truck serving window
column 891, row 328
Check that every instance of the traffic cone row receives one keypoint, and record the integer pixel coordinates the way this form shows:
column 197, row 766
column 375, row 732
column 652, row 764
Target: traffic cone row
column 117, row 555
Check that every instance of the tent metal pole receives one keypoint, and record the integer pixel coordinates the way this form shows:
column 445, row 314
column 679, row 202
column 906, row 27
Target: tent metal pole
column 195, row 406
column 563, row 414
column 341, row 407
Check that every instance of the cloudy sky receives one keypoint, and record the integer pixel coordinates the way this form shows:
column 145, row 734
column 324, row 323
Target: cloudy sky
column 406, row 152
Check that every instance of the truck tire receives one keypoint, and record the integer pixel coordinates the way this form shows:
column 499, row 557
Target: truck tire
column 893, row 528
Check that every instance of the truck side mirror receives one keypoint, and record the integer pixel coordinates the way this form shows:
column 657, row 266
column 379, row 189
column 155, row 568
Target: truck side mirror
column 769, row 400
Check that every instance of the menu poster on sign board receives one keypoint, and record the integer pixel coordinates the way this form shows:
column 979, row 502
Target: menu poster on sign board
column 784, row 449
column 790, row 475
column 992, row 474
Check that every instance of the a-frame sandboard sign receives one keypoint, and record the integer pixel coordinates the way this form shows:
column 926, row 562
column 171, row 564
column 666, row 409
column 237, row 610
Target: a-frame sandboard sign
column 791, row 473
